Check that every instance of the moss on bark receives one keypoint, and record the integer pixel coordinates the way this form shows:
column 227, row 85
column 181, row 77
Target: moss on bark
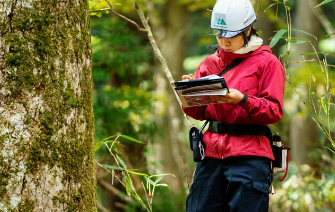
column 47, row 73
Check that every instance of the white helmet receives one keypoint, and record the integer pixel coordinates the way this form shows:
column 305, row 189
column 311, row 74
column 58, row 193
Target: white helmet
column 231, row 17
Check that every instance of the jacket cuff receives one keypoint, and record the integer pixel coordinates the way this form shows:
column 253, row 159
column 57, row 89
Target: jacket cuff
column 248, row 104
column 245, row 98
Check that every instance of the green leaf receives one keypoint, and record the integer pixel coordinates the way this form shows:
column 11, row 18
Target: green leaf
column 131, row 139
column 158, row 179
column 277, row 37
column 128, row 186
column 324, row 104
column 163, row 184
column 307, row 53
column 137, row 173
column 296, row 41
column 330, row 150
column 108, row 138
column 322, row 3
column 302, row 31
column 121, row 162
column 149, row 180
column 113, row 167
column 157, row 175
column 312, row 94
column 97, row 145
column 271, row 5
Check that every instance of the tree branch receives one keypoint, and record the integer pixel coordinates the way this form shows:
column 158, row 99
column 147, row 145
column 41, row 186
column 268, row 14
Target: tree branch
column 121, row 16
column 111, row 189
column 154, row 45
column 159, row 54
column 102, row 208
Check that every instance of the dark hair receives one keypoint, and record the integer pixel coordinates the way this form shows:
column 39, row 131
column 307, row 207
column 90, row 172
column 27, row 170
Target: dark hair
column 252, row 32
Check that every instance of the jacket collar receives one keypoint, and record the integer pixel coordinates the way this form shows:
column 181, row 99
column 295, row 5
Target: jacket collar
column 232, row 56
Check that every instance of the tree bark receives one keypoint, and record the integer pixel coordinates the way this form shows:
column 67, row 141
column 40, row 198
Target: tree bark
column 303, row 132
column 46, row 112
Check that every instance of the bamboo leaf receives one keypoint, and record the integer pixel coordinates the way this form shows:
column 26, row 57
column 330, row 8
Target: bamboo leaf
column 113, row 167
column 137, row 173
column 307, row 53
column 307, row 33
column 330, row 150
column 271, row 5
column 121, row 162
column 156, row 175
column 163, row 184
column 131, row 139
column 322, row 3
column 158, row 179
column 149, row 180
column 277, row 37
column 324, row 104
column 128, row 186
column 296, row 40
column 98, row 144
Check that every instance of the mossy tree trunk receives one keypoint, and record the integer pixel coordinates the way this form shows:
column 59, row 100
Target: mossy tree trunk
column 46, row 113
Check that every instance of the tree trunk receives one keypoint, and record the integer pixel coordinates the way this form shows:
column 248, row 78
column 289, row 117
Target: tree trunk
column 305, row 20
column 46, row 112
column 303, row 133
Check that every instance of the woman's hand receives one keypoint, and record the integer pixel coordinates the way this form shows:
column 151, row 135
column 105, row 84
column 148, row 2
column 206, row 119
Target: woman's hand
column 233, row 97
column 187, row 77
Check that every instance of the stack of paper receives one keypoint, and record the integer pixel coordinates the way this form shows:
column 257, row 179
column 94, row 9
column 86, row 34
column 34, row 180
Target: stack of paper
column 201, row 91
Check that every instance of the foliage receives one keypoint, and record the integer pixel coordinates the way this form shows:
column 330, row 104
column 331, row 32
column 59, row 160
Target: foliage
column 306, row 190
column 151, row 181
column 122, row 79
column 125, row 105
column 325, row 102
column 308, row 187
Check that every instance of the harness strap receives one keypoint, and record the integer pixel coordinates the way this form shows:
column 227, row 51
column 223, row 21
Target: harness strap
column 225, row 70
column 237, row 129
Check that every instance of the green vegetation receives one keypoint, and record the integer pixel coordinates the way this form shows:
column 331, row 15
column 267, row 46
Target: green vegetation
column 124, row 70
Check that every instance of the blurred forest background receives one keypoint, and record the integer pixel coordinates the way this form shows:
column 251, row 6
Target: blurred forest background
column 132, row 97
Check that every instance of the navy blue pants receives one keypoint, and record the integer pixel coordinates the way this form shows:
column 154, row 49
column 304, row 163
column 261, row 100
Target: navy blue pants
column 233, row 184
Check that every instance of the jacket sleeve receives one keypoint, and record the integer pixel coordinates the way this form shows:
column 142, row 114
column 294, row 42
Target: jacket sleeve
column 198, row 112
column 267, row 108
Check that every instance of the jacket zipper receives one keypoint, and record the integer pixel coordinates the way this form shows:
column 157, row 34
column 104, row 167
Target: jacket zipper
column 220, row 149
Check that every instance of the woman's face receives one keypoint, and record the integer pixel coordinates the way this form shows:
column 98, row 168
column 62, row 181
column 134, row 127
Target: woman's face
column 232, row 44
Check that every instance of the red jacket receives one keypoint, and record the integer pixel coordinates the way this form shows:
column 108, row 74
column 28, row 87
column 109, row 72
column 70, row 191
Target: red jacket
column 262, row 77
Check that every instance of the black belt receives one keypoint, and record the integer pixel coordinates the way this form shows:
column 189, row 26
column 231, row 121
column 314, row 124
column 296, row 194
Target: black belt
column 238, row 129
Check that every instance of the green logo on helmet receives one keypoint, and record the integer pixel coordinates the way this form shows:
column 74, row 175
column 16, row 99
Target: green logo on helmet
column 220, row 21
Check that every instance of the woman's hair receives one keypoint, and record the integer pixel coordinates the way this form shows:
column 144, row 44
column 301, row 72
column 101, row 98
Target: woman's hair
column 252, row 32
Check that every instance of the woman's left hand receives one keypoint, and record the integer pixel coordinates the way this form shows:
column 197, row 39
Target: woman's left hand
column 233, row 97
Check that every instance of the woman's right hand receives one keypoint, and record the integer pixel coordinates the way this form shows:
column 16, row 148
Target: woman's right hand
column 187, row 77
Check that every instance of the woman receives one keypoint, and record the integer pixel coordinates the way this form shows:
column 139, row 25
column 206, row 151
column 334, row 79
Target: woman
column 235, row 174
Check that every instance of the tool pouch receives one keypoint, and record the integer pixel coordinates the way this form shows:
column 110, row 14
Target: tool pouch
column 281, row 154
column 195, row 137
column 195, row 143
